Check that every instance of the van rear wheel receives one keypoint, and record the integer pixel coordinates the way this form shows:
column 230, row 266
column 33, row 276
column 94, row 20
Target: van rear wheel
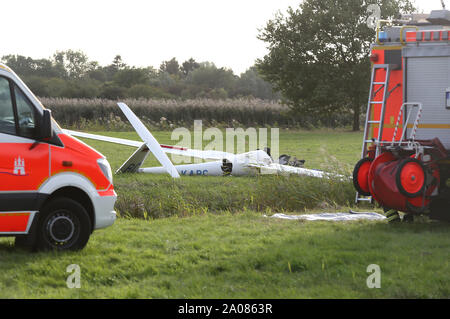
column 63, row 225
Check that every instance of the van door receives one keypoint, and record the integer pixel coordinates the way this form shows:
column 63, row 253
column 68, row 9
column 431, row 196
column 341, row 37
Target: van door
column 24, row 164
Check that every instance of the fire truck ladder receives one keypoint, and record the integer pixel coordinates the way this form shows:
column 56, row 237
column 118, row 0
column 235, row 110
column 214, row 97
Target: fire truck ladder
column 383, row 87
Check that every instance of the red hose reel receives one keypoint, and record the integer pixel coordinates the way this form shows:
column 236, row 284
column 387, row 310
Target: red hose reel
column 410, row 177
column 403, row 184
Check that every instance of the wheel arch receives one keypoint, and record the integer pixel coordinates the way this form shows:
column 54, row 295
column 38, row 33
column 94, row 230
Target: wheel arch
column 77, row 195
column 74, row 186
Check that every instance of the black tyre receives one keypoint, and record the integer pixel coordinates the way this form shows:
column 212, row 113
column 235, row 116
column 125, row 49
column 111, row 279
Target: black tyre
column 445, row 181
column 64, row 224
column 408, row 218
column 440, row 209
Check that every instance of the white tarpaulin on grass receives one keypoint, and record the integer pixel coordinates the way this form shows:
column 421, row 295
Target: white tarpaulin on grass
column 333, row 216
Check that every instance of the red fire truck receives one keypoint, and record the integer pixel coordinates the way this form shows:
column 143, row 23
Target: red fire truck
column 405, row 162
column 54, row 189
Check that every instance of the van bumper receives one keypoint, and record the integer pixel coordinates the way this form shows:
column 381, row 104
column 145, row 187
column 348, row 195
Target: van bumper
column 104, row 210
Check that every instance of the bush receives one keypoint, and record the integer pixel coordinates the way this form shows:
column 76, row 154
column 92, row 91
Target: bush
column 110, row 90
column 226, row 112
column 247, row 112
column 82, row 88
column 147, row 91
column 162, row 196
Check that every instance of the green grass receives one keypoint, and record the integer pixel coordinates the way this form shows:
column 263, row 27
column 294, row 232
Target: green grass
column 161, row 196
column 223, row 246
column 241, row 255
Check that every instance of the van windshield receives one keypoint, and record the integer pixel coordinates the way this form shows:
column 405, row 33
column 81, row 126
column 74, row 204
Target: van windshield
column 25, row 113
column 7, row 123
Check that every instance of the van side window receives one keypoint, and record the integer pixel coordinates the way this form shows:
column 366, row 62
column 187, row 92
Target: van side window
column 26, row 114
column 7, row 123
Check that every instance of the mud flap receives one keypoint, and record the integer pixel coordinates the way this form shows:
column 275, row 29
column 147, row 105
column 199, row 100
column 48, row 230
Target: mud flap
column 28, row 241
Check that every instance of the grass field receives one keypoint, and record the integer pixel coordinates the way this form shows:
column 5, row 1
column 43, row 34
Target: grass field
column 242, row 255
column 224, row 246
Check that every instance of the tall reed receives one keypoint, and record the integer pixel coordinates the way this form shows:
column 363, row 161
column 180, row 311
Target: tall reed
column 165, row 114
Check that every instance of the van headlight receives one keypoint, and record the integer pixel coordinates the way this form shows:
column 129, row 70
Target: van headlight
column 106, row 168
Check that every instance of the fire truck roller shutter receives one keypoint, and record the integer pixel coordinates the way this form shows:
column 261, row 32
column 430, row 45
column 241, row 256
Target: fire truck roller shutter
column 427, row 81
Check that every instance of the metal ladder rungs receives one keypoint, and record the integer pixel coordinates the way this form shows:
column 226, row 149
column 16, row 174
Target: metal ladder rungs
column 371, row 107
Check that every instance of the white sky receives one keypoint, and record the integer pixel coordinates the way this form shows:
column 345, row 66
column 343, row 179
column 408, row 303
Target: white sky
column 428, row 5
column 145, row 32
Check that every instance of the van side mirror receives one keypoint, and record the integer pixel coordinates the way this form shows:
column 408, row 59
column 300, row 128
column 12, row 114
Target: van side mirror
column 45, row 129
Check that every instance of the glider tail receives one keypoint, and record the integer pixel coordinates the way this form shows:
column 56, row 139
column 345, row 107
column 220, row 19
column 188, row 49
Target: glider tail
column 150, row 142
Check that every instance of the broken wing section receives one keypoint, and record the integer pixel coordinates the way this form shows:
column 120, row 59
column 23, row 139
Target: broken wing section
column 206, row 155
column 104, row 138
column 275, row 168
column 134, row 162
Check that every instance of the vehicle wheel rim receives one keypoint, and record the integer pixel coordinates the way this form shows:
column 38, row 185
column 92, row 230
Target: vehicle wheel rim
column 61, row 228
column 412, row 177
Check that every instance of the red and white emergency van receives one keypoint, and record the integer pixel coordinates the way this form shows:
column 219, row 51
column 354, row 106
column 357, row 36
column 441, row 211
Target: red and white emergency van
column 54, row 189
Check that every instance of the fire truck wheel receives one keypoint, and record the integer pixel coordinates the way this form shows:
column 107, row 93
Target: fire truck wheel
column 361, row 176
column 440, row 209
column 408, row 218
column 410, row 177
column 63, row 225
column 445, row 182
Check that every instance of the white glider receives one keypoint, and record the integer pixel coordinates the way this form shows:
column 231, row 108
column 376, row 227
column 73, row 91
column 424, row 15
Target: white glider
column 223, row 163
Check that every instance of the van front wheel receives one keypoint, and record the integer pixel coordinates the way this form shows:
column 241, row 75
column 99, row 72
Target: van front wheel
column 63, row 225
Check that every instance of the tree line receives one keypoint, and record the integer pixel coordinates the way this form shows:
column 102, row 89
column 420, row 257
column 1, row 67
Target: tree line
column 71, row 74
column 319, row 55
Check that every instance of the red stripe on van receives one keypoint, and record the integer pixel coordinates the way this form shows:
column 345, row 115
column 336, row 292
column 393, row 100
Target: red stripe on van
column 13, row 222
column 109, row 192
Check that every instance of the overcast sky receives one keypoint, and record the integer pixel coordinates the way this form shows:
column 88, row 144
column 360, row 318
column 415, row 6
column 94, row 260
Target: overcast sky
column 145, row 32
